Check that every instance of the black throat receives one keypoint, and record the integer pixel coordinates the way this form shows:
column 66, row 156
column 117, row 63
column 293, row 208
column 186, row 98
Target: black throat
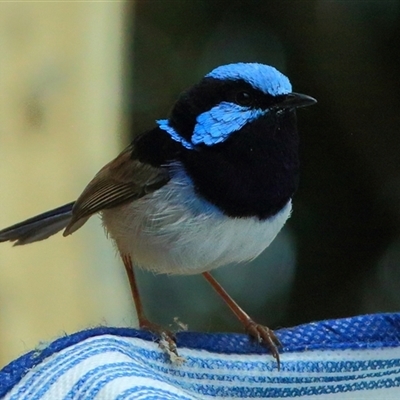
column 254, row 173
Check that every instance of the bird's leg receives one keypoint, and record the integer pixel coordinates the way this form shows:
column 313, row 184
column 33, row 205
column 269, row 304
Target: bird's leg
column 262, row 334
column 166, row 336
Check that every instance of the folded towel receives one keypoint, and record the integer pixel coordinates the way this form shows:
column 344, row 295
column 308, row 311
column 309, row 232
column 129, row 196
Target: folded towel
column 352, row 358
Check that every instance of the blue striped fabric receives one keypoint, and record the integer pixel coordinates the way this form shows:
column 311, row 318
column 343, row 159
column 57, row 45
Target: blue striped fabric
column 353, row 358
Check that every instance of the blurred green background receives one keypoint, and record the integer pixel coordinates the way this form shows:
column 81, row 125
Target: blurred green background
column 340, row 252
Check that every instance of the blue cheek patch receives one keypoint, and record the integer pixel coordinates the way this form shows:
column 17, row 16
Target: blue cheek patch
column 164, row 125
column 215, row 126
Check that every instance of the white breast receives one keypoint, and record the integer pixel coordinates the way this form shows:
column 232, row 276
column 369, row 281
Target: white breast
column 173, row 231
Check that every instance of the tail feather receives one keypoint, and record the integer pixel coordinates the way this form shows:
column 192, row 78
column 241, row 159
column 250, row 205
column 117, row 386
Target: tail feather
column 39, row 227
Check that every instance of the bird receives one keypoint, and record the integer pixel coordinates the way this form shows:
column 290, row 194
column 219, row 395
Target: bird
column 212, row 184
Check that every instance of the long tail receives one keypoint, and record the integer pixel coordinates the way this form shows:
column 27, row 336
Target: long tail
column 39, row 227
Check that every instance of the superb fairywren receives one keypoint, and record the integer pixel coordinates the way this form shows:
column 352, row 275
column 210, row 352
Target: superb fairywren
column 208, row 186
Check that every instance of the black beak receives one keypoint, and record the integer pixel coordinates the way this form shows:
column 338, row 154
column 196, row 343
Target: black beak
column 296, row 100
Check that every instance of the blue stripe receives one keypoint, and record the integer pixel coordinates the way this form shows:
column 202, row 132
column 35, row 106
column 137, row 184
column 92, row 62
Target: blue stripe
column 105, row 374
column 41, row 381
column 372, row 332
column 109, row 372
column 150, row 393
column 101, row 376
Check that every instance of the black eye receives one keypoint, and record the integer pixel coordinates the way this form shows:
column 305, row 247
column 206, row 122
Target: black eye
column 244, row 98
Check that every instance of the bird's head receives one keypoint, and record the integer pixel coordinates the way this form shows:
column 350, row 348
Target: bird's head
column 237, row 137
column 227, row 99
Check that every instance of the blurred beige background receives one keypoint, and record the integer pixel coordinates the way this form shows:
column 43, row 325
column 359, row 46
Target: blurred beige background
column 60, row 122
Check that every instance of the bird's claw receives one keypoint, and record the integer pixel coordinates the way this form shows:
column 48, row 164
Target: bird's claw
column 168, row 345
column 266, row 337
column 166, row 340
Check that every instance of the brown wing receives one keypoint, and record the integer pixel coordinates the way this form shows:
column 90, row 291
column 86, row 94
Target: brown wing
column 122, row 180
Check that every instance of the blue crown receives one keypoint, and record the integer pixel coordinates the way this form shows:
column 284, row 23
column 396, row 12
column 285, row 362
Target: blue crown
column 262, row 77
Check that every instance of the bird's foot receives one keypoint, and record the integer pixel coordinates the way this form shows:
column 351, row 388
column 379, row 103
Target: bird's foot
column 166, row 340
column 266, row 337
column 260, row 333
